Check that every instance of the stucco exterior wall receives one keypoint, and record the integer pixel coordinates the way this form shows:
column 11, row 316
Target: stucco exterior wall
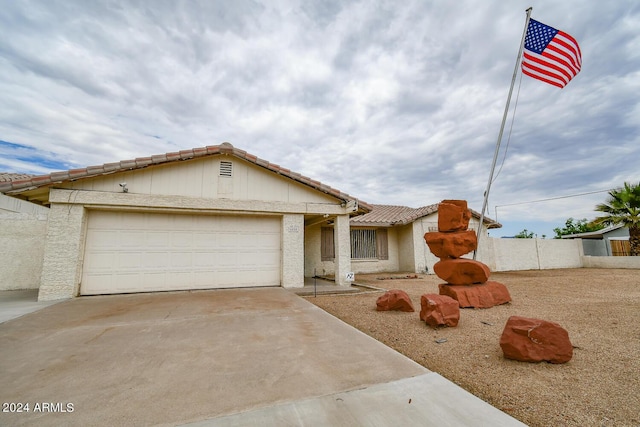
column 313, row 263
column 342, row 241
column 423, row 259
column 22, row 237
column 200, row 178
column 13, row 205
column 363, row 266
column 186, row 192
column 63, row 252
column 406, row 251
column 292, row 251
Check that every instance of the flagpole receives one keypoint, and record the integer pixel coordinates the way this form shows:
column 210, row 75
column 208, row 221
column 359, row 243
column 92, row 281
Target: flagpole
column 504, row 120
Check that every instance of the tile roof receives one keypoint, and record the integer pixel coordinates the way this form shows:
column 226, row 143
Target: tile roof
column 390, row 215
column 29, row 182
column 7, row 177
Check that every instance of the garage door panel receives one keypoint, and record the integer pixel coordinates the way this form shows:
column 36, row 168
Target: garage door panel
column 138, row 252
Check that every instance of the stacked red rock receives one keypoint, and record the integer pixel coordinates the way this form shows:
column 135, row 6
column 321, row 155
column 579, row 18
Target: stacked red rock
column 535, row 340
column 394, row 299
column 467, row 279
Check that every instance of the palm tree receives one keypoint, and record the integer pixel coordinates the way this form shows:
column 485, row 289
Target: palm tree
column 623, row 207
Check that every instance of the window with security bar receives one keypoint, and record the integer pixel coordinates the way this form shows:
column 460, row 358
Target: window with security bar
column 369, row 243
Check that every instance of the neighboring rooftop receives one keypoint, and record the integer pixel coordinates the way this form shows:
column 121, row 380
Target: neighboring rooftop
column 390, row 215
column 9, row 177
column 598, row 234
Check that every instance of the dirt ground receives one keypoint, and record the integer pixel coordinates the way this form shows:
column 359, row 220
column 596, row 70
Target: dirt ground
column 600, row 308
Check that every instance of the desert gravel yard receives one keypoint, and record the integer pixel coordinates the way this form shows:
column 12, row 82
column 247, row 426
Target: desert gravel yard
column 600, row 308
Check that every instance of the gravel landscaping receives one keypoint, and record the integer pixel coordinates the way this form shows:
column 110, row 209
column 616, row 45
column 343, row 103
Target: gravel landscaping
column 600, row 308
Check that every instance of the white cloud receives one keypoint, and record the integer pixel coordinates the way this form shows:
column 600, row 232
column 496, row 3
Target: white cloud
column 393, row 103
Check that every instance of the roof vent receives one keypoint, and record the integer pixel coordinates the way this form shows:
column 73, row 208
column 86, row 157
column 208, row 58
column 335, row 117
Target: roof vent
column 226, row 168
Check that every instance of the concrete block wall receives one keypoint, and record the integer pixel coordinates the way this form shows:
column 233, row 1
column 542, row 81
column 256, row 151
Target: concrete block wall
column 535, row 254
column 611, row 262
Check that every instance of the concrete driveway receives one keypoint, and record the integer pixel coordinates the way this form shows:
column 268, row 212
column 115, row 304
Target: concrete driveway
column 222, row 357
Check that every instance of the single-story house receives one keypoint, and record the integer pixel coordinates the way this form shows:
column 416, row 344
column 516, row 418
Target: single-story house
column 399, row 232
column 612, row 240
column 211, row 217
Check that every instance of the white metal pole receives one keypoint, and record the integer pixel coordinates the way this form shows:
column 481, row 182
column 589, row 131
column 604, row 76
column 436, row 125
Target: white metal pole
column 504, row 120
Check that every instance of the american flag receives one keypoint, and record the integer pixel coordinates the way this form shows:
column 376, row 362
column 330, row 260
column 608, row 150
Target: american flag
column 550, row 55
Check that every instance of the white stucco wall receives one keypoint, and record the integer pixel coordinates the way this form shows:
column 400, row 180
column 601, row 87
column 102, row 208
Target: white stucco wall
column 22, row 237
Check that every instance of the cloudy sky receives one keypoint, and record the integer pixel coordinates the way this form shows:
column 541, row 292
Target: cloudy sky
column 394, row 102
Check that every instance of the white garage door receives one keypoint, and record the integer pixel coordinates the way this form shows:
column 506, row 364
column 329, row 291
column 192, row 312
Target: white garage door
column 143, row 252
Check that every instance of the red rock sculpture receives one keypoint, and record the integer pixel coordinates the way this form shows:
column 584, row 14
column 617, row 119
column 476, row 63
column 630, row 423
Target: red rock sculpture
column 484, row 295
column 439, row 310
column 453, row 215
column 462, row 271
column 467, row 280
column 451, row 245
column 394, row 299
column 535, row 340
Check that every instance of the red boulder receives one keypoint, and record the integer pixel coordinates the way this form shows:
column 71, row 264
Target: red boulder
column 535, row 340
column 439, row 310
column 453, row 215
column 394, row 299
column 451, row 245
column 462, row 271
column 484, row 295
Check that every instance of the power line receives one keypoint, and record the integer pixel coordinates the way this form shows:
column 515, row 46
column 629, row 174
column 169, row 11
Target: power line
column 554, row 198
column 547, row 199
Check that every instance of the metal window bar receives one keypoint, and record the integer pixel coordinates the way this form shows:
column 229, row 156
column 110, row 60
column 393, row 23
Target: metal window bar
column 363, row 244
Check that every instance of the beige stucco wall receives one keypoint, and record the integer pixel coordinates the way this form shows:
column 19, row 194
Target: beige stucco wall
column 61, row 266
column 200, row 179
column 381, row 265
column 292, row 251
column 406, row 251
column 313, row 264
column 423, row 259
column 10, row 205
column 22, row 237
column 187, row 187
column 342, row 241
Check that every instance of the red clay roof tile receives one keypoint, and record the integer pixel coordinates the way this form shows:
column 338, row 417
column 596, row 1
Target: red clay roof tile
column 29, row 181
column 390, row 215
